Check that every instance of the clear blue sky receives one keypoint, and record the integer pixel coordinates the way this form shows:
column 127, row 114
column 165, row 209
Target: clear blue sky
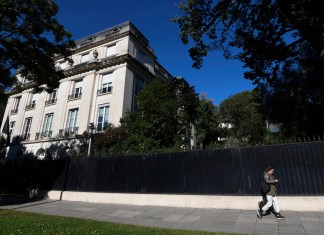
column 218, row 77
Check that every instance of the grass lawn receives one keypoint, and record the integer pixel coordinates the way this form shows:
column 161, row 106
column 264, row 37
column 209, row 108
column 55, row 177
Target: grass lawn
column 14, row 222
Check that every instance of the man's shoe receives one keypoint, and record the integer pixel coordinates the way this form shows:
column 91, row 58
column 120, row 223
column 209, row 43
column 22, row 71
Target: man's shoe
column 279, row 216
column 259, row 214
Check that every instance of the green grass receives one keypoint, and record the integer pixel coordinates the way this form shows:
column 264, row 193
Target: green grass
column 14, row 223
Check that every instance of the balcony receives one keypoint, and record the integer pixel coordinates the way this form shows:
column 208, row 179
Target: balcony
column 31, row 106
column 43, row 135
column 102, row 127
column 106, row 90
column 75, row 96
column 25, row 137
column 50, row 102
column 68, row 132
column 14, row 111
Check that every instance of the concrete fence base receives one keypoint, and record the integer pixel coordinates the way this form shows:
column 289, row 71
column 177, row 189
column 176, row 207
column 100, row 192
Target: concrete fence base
column 287, row 203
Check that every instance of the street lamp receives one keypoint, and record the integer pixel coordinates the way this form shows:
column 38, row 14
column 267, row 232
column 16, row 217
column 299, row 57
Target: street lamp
column 91, row 127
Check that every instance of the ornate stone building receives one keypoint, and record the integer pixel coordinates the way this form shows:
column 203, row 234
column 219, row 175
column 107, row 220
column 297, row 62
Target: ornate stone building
column 109, row 69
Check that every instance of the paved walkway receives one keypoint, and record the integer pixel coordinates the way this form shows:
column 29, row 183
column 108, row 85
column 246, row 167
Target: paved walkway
column 213, row 220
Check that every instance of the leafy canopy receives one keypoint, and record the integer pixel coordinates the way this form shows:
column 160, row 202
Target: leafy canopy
column 281, row 44
column 161, row 121
column 30, row 36
column 207, row 122
column 267, row 32
column 165, row 112
column 243, row 112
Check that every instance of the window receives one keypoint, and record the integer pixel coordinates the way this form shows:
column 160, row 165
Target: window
column 63, row 65
column 111, row 50
column 25, row 82
column 32, row 103
column 72, row 121
column 103, row 118
column 139, row 83
column 77, row 92
column 47, row 125
column 11, row 127
column 106, row 83
column 140, row 56
column 52, row 98
column 26, row 133
column 84, row 58
column 138, row 86
column 16, row 105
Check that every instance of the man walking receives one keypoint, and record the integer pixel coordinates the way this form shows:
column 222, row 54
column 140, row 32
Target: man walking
column 272, row 199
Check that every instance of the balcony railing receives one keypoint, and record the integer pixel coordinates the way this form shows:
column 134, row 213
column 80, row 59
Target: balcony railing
column 14, row 111
column 43, row 135
column 75, row 96
column 68, row 132
column 25, row 137
column 50, row 102
column 105, row 90
column 31, row 106
column 102, row 127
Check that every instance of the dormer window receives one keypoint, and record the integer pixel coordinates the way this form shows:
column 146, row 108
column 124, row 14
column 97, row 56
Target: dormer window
column 84, row 58
column 111, row 50
column 63, row 65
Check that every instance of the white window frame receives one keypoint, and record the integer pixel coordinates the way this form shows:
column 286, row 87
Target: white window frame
column 103, row 123
column 63, row 65
column 106, row 83
column 111, row 50
column 16, row 104
column 85, row 57
column 48, row 120
column 11, row 127
column 77, row 91
column 72, row 120
column 27, row 126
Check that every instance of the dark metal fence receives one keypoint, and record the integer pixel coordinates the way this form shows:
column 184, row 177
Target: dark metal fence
column 299, row 168
column 22, row 175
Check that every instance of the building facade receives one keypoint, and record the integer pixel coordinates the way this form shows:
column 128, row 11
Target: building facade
column 109, row 69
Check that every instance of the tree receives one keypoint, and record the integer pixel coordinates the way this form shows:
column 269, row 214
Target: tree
column 30, row 37
column 111, row 141
column 296, row 99
column 280, row 42
column 243, row 112
column 207, row 122
column 165, row 111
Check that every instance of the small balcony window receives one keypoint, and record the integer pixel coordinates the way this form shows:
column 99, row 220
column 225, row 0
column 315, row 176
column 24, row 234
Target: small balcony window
column 50, row 102
column 31, row 106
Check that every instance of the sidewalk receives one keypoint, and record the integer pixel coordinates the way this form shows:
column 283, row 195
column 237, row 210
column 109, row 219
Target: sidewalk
column 212, row 220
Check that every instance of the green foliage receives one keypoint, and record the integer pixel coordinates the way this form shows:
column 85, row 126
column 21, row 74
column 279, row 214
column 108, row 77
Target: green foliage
column 243, row 112
column 111, row 141
column 30, row 37
column 14, row 222
column 260, row 29
column 207, row 123
column 281, row 44
column 296, row 99
column 161, row 122
column 165, row 111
